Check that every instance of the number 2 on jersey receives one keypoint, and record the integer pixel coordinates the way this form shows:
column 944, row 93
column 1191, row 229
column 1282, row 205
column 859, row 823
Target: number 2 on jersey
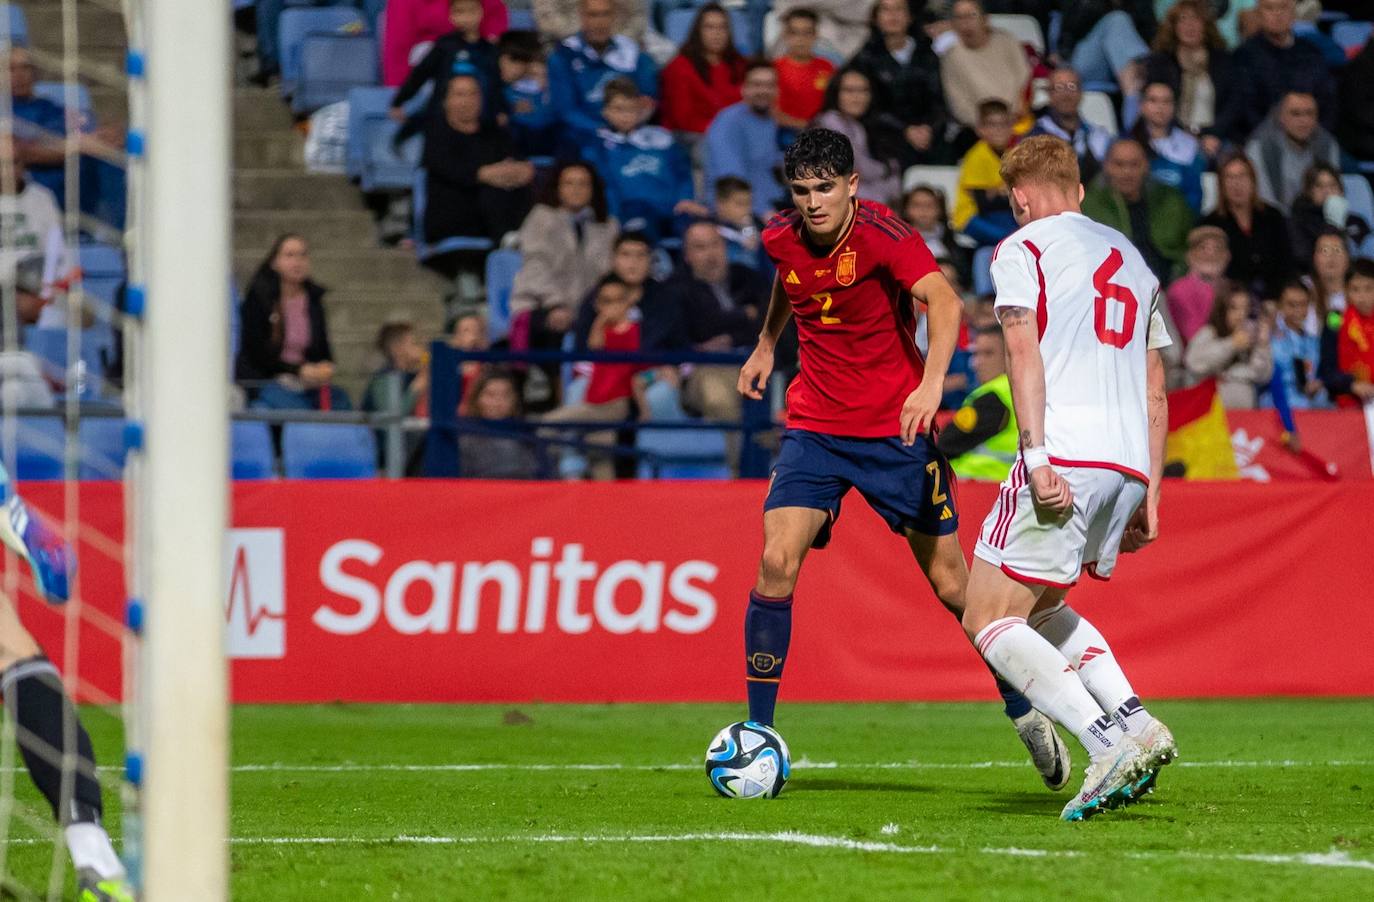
column 825, row 301
column 1108, row 291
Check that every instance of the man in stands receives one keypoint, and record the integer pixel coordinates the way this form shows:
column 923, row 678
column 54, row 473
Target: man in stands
column 1155, row 217
column 1276, row 61
column 1287, row 145
column 1062, row 120
column 742, row 141
column 582, row 65
column 981, row 441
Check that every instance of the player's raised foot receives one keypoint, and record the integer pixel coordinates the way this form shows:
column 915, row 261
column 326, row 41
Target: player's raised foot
column 91, row 888
column 1104, row 781
column 1047, row 750
column 48, row 554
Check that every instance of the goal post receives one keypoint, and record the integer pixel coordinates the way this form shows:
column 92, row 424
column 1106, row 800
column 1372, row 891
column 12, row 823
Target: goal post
column 183, row 220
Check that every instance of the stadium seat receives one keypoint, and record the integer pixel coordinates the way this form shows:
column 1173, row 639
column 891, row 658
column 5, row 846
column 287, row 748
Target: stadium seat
column 330, row 66
column 102, row 271
column 521, row 20
column 49, row 345
column 362, row 102
column 982, row 271
column 250, row 450
column 502, row 265
column 1209, row 192
column 1097, row 109
column 1361, row 198
column 102, row 448
column 15, row 24
column 39, row 443
column 425, row 251
column 677, row 24
column 297, row 23
column 946, row 178
column 56, row 92
column 328, row 451
column 1024, row 28
column 1351, row 36
column 682, row 454
column 386, row 167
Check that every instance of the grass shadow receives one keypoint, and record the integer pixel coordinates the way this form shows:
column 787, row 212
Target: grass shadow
column 822, row 784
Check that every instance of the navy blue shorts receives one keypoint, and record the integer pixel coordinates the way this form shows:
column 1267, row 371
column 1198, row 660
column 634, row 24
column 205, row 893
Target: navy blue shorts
column 911, row 488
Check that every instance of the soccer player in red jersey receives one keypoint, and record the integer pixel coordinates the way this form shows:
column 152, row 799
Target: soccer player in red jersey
column 861, row 411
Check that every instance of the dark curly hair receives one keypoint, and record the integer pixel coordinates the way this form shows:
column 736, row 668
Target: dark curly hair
column 818, row 153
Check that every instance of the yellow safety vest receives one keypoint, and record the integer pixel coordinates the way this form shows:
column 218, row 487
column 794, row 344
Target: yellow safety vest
column 992, row 460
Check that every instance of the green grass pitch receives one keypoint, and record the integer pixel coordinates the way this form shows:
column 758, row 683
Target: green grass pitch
column 1271, row 799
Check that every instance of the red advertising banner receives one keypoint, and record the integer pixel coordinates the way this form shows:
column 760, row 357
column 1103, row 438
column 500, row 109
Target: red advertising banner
column 1336, row 438
column 500, row 592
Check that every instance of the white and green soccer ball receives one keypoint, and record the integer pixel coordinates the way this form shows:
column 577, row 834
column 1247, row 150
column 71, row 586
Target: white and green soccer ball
column 748, row 760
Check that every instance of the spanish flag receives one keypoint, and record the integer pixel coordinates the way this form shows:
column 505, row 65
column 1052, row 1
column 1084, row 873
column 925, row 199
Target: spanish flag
column 1199, row 435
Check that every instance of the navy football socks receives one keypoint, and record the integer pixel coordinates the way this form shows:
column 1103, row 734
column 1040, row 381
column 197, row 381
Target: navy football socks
column 1013, row 702
column 767, row 632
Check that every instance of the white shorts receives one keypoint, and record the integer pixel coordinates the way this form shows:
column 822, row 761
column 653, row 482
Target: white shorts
column 1038, row 548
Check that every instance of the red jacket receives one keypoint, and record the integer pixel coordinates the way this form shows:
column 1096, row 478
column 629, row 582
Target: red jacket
column 689, row 104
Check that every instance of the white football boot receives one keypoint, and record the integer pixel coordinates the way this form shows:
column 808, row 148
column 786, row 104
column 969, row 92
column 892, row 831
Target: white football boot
column 1160, row 747
column 1047, row 750
column 1105, row 779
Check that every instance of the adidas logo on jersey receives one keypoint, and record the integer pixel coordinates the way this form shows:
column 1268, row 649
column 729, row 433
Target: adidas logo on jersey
column 792, row 278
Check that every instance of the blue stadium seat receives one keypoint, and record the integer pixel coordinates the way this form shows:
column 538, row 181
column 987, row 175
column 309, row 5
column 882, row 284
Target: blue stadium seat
column 102, row 270
column 982, row 271
column 49, row 345
column 362, row 102
column 677, row 24
column 297, row 23
column 328, row 451
column 15, row 24
column 683, row 454
column 386, row 167
column 38, row 448
column 425, row 251
column 502, row 265
column 1361, row 198
column 1351, row 35
column 102, row 448
column 331, row 66
column 56, row 92
column 521, row 20
column 251, row 455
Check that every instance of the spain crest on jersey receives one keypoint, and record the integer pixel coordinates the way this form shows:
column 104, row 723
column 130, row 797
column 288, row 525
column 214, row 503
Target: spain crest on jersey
column 847, row 268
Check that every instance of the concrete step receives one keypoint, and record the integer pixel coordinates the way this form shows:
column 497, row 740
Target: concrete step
column 255, row 230
column 284, row 189
column 361, row 307
column 374, row 269
column 260, row 109
column 275, row 149
column 96, row 26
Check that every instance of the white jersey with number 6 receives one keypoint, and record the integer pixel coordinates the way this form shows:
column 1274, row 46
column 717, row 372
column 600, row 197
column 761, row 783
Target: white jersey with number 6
column 1095, row 303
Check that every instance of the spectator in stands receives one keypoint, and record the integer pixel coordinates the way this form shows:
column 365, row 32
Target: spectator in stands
column 268, row 19
column 1062, row 120
column 742, row 140
column 462, row 51
column 648, row 176
column 468, row 332
column 488, row 453
column 1322, row 206
column 1357, row 104
column 980, row 441
column 1261, row 253
column 842, row 24
column 1330, row 267
column 925, row 210
column 565, row 244
column 1347, row 359
column 525, row 94
column 1154, row 216
column 1296, row 350
column 1275, row 62
column 984, row 63
column 1233, row 347
column 737, row 223
column 658, row 307
column 848, row 110
column 1190, row 56
column 411, row 25
column 1286, row 145
column 982, row 208
column 30, row 221
column 406, row 367
column 1102, row 40
column 559, row 19
column 704, row 78
column 1191, row 297
column 585, row 62
column 475, row 187
column 904, row 74
column 1176, row 157
column 22, row 383
column 284, row 353
column 802, row 76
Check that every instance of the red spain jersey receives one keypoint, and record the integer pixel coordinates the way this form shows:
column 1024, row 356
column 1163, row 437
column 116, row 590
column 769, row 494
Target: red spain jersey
column 856, row 320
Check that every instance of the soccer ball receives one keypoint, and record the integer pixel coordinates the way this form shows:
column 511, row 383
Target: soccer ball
column 748, row 761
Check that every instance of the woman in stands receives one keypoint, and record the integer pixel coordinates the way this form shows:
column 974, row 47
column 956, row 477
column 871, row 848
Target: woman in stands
column 1190, row 56
column 904, row 74
column 1321, row 206
column 1330, row 266
column 704, row 78
column 1234, row 348
column 284, row 360
column 847, row 109
column 925, row 209
column 1176, row 157
column 1261, row 251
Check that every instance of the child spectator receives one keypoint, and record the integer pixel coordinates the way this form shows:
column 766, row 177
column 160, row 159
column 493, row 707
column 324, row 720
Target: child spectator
column 484, row 452
column 737, row 223
column 462, row 51
column 1347, row 365
column 1233, row 347
column 705, row 77
column 1190, row 296
column 412, row 25
column 982, row 208
column 802, row 76
column 406, row 362
column 525, row 93
column 648, row 176
column 469, row 333
column 925, row 210
column 1297, row 351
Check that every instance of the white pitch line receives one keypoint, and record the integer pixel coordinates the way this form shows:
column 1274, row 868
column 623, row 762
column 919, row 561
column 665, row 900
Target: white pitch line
column 803, row 764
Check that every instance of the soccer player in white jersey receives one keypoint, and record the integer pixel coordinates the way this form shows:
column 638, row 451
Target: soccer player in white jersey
column 1079, row 309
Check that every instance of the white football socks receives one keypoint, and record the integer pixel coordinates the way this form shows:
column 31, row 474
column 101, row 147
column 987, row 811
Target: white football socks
column 1026, row 660
column 91, row 849
column 1087, row 651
